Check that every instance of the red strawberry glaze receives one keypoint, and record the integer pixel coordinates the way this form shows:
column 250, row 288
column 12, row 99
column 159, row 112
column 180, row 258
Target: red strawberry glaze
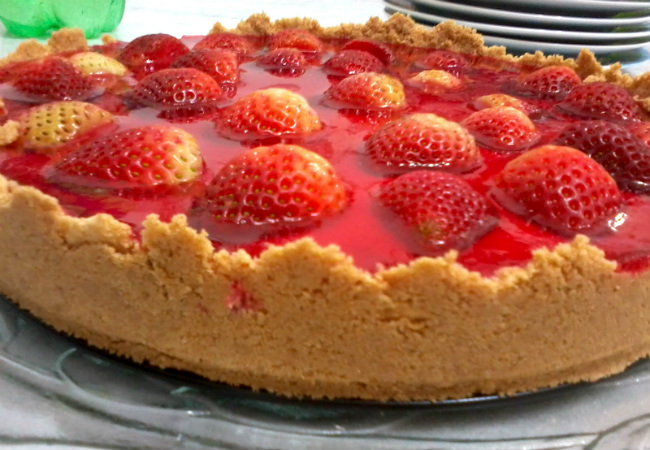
column 365, row 230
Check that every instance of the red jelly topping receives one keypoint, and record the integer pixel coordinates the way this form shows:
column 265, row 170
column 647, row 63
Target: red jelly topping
column 365, row 230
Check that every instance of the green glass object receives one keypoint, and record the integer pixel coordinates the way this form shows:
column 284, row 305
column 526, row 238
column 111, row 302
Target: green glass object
column 37, row 18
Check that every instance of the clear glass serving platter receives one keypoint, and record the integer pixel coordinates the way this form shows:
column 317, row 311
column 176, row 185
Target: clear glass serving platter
column 63, row 395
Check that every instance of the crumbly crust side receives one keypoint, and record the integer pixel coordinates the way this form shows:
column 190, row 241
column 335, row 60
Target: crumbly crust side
column 61, row 41
column 303, row 320
column 9, row 132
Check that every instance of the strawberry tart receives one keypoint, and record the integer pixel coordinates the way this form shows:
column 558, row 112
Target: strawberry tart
column 378, row 211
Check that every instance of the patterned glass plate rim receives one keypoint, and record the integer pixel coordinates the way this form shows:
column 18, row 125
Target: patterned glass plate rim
column 155, row 410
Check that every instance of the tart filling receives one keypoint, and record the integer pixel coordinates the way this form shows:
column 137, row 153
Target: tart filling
column 377, row 211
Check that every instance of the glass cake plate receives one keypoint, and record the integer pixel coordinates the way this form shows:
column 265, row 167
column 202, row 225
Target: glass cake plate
column 97, row 401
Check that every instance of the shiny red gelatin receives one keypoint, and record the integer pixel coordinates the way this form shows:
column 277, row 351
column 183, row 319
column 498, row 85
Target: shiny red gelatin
column 364, row 229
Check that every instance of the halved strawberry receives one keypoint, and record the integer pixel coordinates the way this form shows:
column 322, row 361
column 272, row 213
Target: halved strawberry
column 600, row 100
column 350, row 62
column 272, row 185
column 289, row 62
column 368, row 90
column 422, row 141
column 52, row 78
column 227, row 41
column 269, row 112
column 220, row 64
column 51, row 124
column 378, row 49
column 549, row 82
column 303, row 40
column 560, row 188
column 152, row 52
column 452, row 62
column 436, row 81
column 176, row 87
column 502, row 128
column 621, row 153
column 142, row 157
column 93, row 63
column 443, row 211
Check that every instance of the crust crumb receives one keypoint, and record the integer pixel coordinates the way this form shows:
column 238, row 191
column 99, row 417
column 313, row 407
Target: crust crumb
column 62, row 41
column 9, row 132
column 26, row 51
column 107, row 39
column 67, row 40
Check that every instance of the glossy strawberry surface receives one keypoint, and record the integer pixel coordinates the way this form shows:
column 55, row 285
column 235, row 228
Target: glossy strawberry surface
column 354, row 123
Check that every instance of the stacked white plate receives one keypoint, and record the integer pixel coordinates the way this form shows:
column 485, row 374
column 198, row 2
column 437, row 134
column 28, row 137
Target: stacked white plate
column 552, row 26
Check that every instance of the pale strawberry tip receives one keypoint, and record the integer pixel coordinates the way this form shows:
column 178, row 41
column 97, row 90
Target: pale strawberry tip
column 51, row 124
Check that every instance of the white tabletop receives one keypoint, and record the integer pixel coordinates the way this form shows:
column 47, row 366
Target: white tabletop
column 33, row 419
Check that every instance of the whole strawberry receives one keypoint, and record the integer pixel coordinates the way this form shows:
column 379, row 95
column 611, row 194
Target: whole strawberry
column 266, row 113
column 502, row 128
column 441, row 209
column 143, row 157
column 275, row 185
column 176, row 87
column 368, row 90
column 350, row 62
column 423, row 141
column 149, row 53
column 620, row 152
column 46, row 126
column 52, row 78
column 220, row 64
column 549, row 82
column 560, row 188
column 600, row 100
